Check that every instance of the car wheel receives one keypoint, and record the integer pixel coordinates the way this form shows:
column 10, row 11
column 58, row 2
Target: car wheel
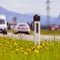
column 4, row 32
column 15, row 33
column 27, row 33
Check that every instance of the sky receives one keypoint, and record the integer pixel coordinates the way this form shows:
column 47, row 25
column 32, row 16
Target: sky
column 31, row 6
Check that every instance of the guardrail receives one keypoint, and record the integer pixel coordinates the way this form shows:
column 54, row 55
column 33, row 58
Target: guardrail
column 31, row 37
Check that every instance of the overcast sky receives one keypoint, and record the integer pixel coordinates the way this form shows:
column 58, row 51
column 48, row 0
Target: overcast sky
column 31, row 6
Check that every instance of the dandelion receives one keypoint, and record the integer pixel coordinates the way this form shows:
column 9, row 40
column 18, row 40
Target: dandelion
column 17, row 49
column 47, row 43
column 43, row 44
column 46, row 48
column 15, row 43
column 7, row 42
column 25, row 53
column 12, row 51
column 36, row 51
column 21, row 48
column 51, row 44
column 29, row 50
column 1, row 46
column 30, row 43
column 38, row 47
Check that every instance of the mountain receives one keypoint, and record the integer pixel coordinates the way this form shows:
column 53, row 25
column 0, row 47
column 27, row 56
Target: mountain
column 57, row 21
column 20, row 17
column 27, row 18
column 44, row 20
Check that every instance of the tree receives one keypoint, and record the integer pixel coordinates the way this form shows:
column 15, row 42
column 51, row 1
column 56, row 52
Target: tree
column 32, row 25
column 14, row 20
column 8, row 26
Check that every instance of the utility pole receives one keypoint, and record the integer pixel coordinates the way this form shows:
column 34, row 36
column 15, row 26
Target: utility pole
column 48, row 12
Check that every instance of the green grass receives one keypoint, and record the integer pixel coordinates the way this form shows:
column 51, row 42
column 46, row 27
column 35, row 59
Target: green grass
column 48, row 32
column 43, row 32
column 10, row 31
column 13, row 49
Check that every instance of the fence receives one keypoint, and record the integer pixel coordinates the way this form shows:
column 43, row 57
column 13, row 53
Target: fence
column 31, row 37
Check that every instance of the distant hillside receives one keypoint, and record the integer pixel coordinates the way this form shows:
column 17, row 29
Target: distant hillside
column 44, row 20
column 57, row 20
column 22, row 17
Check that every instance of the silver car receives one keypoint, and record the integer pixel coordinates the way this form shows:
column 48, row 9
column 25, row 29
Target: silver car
column 22, row 28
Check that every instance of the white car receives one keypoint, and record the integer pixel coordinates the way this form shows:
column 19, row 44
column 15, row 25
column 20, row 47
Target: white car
column 3, row 24
column 22, row 28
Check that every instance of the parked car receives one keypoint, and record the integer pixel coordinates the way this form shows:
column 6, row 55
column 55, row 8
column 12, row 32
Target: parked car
column 3, row 24
column 22, row 28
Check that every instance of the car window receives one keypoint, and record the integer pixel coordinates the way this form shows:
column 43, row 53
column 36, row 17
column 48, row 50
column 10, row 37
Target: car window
column 22, row 25
column 2, row 21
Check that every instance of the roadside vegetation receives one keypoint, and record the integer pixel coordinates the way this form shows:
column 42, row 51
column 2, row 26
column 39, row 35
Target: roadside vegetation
column 10, row 31
column 13, row 49
column 48, row 32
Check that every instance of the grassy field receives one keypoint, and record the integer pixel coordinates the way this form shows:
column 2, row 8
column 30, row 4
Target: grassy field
column 43, row 32
column 48, row 32
column 13, row 49
column 10, row 31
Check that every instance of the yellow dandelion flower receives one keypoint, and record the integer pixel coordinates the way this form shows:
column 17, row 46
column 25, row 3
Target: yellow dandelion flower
column 46, row 48
column 51, row 44
column 29, row 50
column 7, row 42
column 38, row 47
column 25, row 53
column 12, row 51
column 43, row 44
column 17, row 49
column 30, row 43
column 15, row 43
column 2, row 46
column 36, row 51
column 21, row 48
column 33, row 48
column 47, row 43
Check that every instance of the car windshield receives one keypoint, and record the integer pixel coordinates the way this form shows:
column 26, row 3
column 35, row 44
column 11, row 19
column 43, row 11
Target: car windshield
column 2, row 21
column 22, row 25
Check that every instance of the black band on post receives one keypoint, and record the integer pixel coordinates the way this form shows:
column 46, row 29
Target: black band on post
column 36, row 18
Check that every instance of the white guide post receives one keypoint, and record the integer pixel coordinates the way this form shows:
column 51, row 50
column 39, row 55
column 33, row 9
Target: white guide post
column 37, row 30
